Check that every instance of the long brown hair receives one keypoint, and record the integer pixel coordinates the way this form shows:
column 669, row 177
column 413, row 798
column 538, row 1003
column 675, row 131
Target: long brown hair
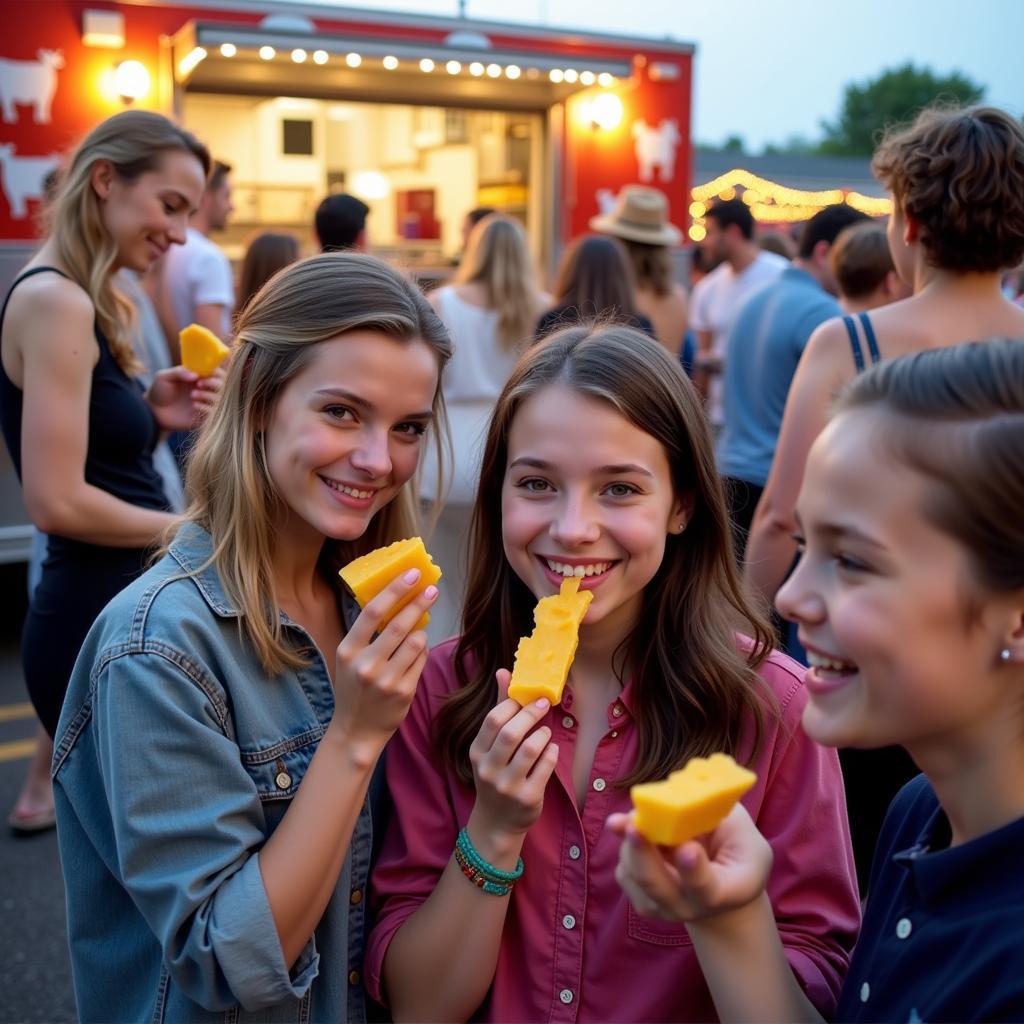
column 268, row 253
column 693, row 681
column 498, row 257
column 233, row 496
column 134, row 142
column 596, row 278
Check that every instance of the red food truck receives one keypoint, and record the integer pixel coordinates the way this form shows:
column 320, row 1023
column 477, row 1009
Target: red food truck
column 422, row 117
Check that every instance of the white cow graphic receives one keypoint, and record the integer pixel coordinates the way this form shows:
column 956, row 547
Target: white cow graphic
column 30, row 82
column 23, row 177
column 656, row 148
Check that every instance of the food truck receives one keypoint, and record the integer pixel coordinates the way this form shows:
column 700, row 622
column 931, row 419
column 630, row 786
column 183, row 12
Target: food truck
column 422, row 117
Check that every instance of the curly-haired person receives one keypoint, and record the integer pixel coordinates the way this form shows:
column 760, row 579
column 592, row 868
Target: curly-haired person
column 956, row 176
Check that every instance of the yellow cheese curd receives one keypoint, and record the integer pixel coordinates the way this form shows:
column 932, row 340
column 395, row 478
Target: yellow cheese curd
column 369, row 574
column 201, row 350
column 543, row 658
column 691, row 801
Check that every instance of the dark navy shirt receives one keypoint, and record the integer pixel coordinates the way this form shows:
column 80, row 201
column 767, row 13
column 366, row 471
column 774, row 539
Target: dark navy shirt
column 943, row 932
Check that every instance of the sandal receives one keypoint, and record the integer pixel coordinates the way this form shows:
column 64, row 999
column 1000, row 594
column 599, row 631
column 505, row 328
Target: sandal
column 30, row 824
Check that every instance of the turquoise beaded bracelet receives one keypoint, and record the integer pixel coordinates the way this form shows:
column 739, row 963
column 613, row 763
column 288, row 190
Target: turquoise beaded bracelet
column 482, row 873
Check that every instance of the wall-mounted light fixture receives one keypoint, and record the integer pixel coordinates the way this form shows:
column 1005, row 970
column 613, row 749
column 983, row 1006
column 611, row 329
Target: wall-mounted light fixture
column 606, row 111
column 103, row 28
column 131, row 81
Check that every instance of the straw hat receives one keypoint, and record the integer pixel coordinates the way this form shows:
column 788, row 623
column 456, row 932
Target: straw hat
column 640, row 215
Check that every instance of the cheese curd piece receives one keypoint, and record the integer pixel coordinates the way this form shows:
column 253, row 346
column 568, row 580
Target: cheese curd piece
column 691, row 801
column 368, row 575
column 201, row 350
column 543, row 658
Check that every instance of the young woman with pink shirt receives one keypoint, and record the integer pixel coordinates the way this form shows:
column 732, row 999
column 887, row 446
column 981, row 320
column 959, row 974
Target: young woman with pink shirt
column 598, row 462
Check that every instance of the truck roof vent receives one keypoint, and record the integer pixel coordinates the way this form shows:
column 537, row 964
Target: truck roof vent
column 287, row 23
column 464, row 40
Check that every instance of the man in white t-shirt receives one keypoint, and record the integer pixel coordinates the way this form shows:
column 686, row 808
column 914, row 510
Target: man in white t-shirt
column 197, row 280
column 743, row 268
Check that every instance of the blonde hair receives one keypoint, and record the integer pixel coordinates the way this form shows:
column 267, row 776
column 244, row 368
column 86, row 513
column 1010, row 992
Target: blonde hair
column 233, row 496
column 134, row 142
column 498, row 257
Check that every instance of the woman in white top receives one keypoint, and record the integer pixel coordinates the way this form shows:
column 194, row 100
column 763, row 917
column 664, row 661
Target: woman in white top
column 490, row 311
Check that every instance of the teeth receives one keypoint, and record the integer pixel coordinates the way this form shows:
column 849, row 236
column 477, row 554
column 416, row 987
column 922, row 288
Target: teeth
column 817, row 661
column 594, row 569
column 347, row 490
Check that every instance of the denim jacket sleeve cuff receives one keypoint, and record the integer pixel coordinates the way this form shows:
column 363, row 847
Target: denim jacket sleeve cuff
column 251, row 957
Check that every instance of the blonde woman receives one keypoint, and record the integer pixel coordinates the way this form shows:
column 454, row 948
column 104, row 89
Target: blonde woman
column 80, row 429
column 491, row 311
column 226, row 714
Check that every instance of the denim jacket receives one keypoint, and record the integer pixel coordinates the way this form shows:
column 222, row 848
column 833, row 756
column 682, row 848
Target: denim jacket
column 175, row 759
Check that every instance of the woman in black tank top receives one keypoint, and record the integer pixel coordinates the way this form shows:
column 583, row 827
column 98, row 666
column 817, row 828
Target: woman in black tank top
column 79, row 428
column 957, row 183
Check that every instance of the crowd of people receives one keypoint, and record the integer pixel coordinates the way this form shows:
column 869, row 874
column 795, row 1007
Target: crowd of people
column 793, row 490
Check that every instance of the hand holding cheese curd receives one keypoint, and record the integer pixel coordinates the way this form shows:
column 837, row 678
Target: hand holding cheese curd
column 228, row 709
column 495, row 890
column 909, row 597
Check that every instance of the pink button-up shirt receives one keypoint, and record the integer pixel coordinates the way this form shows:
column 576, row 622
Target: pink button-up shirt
column 573, row 948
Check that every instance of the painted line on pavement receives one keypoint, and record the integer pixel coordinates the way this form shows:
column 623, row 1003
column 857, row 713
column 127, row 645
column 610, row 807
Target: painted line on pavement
column 13, row 712
column 17, row 750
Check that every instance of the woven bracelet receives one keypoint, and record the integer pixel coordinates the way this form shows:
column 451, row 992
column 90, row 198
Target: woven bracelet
column 488, row 870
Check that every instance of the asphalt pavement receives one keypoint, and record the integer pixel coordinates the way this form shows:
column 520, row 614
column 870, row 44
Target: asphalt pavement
column 35, row 973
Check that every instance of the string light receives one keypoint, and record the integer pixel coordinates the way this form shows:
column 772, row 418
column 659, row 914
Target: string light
column 426, row 64
column 299, row 55
column 605, row 80
column 267, row 52
column 773, row 203
column 319, row 56
column 494, row 71
column 228, row 49
column 556, row 75
column 512, row 71
column 353, row 60
column 390, row 62
column 571, row 75
column 453, row 67
column 587, row 78
column 476, row 69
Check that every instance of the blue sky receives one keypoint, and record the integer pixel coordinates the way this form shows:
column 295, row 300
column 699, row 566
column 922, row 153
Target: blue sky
column 768, row 69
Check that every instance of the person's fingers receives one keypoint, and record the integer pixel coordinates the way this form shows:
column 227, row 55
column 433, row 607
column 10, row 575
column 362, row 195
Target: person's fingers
column 512, row 734
column 540, row 774
column 503, row 678
column 528, row 752
column 495, row 721
column 408, row 653
column 371, row 619
column 617, row 823
column 390, row 638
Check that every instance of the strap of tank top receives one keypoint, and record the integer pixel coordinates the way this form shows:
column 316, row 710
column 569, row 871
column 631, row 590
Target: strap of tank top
column 31, row 272
column 851, row 330
column 869, row 333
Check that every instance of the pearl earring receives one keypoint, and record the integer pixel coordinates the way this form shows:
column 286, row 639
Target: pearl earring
column 1005, row 655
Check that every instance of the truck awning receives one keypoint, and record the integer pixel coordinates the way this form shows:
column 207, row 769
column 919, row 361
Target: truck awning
column 225, row 58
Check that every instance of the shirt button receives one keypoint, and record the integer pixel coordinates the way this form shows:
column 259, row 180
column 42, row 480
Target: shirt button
column 355, row 897
column 599, row 785
column 567, row 721
column 568, row 922
column 865, row 991
column 574, row 852
column 903, row 928
column 565, row 995
column 353, row 977
column 617, row 710
column 283, row 780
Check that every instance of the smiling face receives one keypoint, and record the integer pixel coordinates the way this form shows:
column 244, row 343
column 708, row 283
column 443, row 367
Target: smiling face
column 589, row 494
column 347, row 431
column 146, row 216
column 880, row 598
